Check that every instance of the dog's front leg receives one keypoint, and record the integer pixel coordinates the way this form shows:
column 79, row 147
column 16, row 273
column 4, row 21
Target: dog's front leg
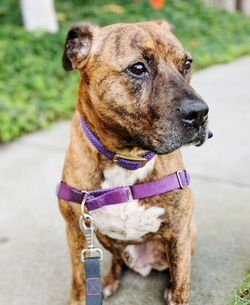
column 179, row 252
column 77, row 242
column 111, row 281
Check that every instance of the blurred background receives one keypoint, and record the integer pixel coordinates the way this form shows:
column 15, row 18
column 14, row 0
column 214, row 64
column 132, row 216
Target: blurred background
column 37, row 99
column 35, row 91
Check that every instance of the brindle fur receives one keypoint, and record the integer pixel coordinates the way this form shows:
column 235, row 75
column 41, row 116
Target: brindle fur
column 129, row 115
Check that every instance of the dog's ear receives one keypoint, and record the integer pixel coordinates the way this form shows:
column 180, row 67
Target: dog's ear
column 164, row 23
column 77, row 45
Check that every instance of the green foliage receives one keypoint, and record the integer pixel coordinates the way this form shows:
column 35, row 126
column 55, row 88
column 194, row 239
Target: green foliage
column 242, row 295
column 35, row 90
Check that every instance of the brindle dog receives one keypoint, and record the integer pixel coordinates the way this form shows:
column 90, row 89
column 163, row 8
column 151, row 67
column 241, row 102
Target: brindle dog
column 135, row 95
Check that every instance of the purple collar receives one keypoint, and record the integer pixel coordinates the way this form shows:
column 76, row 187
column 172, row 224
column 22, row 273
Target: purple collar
column 128, row 162
column 99, row 198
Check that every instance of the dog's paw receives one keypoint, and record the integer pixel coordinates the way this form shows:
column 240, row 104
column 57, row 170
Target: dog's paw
column 110, row 289
column 168, row 298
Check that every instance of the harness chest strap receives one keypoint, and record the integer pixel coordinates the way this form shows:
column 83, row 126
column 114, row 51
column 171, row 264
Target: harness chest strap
column 99, row 198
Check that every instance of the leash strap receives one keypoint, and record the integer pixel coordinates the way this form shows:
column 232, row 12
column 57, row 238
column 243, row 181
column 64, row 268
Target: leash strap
column 93, row 282
column 99, row 198
column 91, row 257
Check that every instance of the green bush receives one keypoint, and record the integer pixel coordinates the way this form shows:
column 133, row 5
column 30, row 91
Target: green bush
column 242, row 295
column 36, row 91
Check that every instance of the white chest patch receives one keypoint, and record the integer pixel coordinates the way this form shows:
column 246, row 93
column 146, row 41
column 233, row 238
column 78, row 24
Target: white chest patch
column 127, row 221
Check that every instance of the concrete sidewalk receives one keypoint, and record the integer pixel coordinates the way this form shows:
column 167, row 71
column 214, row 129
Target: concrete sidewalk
column 34, row 261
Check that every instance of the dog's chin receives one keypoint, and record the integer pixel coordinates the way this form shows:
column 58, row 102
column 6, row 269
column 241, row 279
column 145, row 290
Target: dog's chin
column 165, row 149
column 173, row 143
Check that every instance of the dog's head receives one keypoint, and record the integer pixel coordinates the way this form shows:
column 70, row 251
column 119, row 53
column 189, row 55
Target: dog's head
column 137, row 78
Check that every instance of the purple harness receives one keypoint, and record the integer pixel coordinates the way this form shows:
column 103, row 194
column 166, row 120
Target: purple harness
column 99, row 198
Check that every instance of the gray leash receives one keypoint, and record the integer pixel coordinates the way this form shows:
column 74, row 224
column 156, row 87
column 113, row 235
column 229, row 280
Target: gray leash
column 93, row 283
column 91, row 257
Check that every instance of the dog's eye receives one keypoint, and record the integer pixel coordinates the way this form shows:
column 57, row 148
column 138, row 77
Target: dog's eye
column 188, row 65
column 138, row 69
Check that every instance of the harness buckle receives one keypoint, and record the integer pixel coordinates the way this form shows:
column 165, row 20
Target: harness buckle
column 135, row 158
column 179, row 180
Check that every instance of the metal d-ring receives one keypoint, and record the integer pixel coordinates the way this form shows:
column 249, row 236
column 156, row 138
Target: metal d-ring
column 85, row 197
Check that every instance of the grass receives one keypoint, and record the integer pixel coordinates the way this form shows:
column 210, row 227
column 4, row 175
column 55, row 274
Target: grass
column 35, row 90
column 242, row 295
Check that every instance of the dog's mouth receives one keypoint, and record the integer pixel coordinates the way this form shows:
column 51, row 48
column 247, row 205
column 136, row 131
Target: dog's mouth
column 208, row 136
column 178, row 139
column 197, row 137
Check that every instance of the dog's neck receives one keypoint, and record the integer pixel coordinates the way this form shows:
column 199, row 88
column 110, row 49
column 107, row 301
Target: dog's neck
column 87, row 167
column 111, row 137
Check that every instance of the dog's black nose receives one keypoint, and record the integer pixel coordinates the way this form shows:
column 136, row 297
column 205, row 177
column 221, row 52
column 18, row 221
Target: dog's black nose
column 193, row 113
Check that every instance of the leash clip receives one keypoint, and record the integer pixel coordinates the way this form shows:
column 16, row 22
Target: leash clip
column 89, row 231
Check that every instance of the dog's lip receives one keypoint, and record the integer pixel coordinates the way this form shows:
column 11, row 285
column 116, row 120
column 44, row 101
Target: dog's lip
column 201, row 141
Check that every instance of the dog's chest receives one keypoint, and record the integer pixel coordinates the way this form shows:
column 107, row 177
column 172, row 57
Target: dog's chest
column 127, row 221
